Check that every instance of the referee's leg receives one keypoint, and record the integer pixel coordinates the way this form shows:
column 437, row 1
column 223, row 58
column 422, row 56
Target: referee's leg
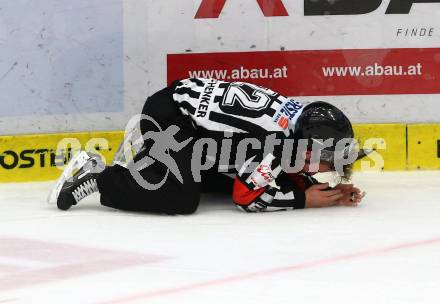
column 120, row 190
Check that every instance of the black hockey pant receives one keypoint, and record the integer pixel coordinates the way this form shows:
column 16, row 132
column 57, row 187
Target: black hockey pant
column 120, row 190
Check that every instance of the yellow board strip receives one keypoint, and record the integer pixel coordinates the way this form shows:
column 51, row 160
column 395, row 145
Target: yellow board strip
column 389, row 141
column 423, row 146
column 33, row 157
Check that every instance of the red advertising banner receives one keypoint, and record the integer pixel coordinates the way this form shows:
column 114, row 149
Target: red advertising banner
column 320, row 72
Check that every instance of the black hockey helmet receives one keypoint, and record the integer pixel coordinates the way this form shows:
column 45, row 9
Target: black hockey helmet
column 321, row 121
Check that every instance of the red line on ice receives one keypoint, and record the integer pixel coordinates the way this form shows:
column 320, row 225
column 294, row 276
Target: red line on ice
column 272, row 271
column 60, row 261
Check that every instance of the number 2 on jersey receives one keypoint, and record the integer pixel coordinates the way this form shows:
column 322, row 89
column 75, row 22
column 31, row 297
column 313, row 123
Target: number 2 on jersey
column 247, row 99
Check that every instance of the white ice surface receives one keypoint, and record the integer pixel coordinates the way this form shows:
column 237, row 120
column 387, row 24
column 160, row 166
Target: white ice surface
column 387, row 250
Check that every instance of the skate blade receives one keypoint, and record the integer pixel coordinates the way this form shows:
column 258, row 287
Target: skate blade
column 76, row 162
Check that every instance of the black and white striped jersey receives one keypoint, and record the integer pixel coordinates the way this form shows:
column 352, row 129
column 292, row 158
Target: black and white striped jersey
column 253, row 111
column 237, row 107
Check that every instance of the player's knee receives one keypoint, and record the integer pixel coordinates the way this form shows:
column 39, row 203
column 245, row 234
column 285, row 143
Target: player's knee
column 184, row 206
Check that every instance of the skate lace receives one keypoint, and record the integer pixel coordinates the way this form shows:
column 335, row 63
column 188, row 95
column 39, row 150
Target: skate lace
column 86, row 188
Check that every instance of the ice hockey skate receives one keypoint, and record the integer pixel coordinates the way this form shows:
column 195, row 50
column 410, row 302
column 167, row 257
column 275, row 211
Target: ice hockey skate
column 77, row 181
